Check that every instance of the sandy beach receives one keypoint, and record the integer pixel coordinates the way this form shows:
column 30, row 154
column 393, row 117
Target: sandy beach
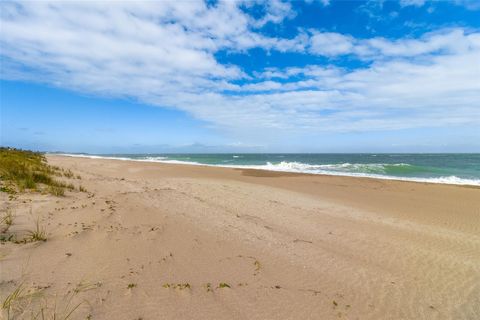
column 165, row 241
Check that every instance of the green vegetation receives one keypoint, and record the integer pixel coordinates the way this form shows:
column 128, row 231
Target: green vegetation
column 208, row 287
column 84, row 285
column 56, row 191
column 223, row 285
column 21, row 170
column 7, row 220
column 68, row 173
column 180, row 286
column 37, row 234
column 131, row 285
column 12, row 298
column 25, row 304
column 257, row 266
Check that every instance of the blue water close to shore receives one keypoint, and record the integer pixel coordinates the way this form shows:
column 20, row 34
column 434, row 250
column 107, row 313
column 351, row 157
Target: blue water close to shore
column 437, row 168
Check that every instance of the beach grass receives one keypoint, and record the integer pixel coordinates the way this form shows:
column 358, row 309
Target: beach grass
column 22, row 170
column 37, row 234
column 12, row 299
column 24, row 304
column 7, row 219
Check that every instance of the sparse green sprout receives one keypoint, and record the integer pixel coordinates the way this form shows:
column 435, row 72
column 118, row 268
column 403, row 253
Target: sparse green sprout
column 38, row 234
column 12, row 298
column 131, row 285
column 7, row 238
column 179, row 286
column 223, row 285
column 5, row 223
column 7, row 220
column 83, row 286
column 183, row 286
column 208, row 287
column 60, row 310
column 257, row 265
column 82, row 189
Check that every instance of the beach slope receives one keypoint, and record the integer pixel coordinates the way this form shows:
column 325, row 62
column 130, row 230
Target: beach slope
column 165, row 241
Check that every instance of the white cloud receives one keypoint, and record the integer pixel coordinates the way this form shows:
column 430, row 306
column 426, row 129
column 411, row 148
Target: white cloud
column 468, row 4
column 330, row 44
column 276, row 12
column 416, row 3
column 163, row 53
column 323, row 2
column 335, row 44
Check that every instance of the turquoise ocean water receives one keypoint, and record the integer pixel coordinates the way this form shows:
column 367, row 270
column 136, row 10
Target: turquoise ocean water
column 437, row 168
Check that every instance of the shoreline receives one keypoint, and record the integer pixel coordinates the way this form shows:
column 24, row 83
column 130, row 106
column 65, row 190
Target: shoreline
column 369, row 192
column 469, row 183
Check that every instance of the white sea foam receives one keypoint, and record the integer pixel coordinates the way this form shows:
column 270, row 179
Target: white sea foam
column 348, row 169
column 366, row 168
column 372, row 170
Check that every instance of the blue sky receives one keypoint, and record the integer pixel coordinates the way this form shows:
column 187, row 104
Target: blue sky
column 244, row 76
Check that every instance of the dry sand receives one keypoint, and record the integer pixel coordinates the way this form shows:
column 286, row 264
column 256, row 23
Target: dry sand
column 289, row 246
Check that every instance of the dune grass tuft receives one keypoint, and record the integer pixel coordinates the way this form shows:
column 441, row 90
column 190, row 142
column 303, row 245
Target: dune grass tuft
column 7, row 219
column 25, row 304
column 12, row 299
column 37, row 234
column 56, row 191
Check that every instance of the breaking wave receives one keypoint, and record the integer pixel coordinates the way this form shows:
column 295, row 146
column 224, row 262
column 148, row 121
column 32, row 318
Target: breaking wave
column 395, row 171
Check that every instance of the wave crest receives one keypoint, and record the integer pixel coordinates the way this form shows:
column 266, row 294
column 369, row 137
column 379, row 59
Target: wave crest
column 379, row 168
column 388, row 171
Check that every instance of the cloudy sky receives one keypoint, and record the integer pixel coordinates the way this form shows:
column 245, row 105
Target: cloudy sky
column 241, row 76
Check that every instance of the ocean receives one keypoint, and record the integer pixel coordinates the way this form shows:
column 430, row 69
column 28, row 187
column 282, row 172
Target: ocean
column 449, row 168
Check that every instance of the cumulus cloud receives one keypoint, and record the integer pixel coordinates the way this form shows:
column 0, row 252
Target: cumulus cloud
column 330, row 44
column 444, row 41
column 276, row 12
column 164, row 53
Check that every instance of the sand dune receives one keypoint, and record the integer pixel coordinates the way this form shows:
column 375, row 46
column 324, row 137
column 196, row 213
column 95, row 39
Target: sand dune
column 162, row 241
